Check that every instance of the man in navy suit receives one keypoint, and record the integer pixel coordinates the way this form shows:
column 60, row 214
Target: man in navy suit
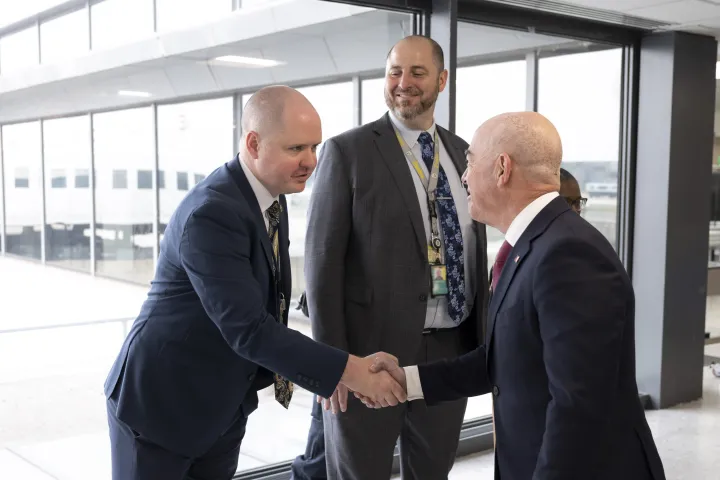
column 212, row 331
column 559, row 354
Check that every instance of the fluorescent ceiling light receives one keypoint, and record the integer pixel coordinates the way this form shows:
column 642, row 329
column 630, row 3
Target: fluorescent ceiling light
column 249, row 61
column 131, row 93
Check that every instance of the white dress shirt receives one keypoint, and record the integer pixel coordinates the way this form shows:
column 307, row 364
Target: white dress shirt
column 264, row 198
column 513, row 234
column 437, row 315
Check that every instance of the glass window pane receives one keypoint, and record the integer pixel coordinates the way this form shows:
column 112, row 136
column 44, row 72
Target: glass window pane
column 178, row 14
column 580, row 94
column 193, row 138
column 68, row 210
column 11, row 11
column 19, row 51
column 123, row 141
column 23, row 189
column 373, row 100
column 65, row 37
column 117, row 22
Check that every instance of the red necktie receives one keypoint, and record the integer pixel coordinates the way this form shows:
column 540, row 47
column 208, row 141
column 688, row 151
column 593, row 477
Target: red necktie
column 500, row 260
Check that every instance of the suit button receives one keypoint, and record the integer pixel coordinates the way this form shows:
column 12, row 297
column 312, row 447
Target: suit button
column 495, row 390
column 422, row 297
column 251, row 376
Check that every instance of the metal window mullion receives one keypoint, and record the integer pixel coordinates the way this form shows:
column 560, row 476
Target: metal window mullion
column 2, row 195
column 532, row 63
column 89, row 16
column 237, row 121
column 156, row 188
column 91, row 173
column 39, row 40
column 357, row 101
column 43, row 227
column 628, row 154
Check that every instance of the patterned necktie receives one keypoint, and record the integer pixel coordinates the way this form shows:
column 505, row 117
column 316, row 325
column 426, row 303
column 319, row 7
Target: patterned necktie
column 500, row 260
column 452, row 235
column 283, row 387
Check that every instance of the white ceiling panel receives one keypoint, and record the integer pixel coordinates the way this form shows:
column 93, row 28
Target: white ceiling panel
column 619, row 5
column 679, row 12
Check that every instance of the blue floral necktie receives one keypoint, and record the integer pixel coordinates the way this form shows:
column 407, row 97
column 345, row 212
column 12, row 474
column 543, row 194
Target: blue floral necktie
column 452, row 235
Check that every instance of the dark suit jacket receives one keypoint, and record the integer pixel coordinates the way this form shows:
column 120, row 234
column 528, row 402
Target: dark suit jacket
column 209, row 323
column 366, row 267
column 559, row 359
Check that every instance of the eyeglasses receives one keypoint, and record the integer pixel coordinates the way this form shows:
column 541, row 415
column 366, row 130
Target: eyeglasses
column 576, row 203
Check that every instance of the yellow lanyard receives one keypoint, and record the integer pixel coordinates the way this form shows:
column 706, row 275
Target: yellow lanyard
column 435, row 251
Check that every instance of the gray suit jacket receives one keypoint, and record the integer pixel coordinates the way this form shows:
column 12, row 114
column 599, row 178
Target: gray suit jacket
column 366, row 268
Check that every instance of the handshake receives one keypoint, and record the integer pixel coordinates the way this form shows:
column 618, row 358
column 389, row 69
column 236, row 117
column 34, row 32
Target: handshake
column 377, row 380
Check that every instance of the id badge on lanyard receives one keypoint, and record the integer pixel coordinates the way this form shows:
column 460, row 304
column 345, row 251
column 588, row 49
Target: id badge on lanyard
column 438, row 270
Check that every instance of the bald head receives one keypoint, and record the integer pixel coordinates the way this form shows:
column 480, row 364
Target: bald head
column 514, row 158
column 420, row 42
column 266, row 110
column 529, row 139
column 281, row 132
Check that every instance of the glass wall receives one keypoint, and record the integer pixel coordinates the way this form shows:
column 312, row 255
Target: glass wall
column 484, row 91
column 124, row 145
column 19, row 51
column 373, row 100
column 23, row 189
column 193, row 140
column 589, row 125
column 65, row 37
column 177, row 14
column 68, row 198
column 117, row 22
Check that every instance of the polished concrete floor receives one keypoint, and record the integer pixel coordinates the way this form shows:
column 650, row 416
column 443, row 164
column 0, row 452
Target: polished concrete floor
column 60, row 331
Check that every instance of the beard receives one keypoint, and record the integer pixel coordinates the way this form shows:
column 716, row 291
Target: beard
column 403, row 109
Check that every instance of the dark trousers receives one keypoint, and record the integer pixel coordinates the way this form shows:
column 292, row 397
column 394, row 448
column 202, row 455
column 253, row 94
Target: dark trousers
column 135, row 457
column 311, row 465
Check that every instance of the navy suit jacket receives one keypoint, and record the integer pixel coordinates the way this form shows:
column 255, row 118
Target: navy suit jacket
column 559, row 358
column 208, row 325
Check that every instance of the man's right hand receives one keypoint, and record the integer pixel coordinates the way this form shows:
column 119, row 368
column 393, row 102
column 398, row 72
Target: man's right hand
column 377, row 386
column 384, row 362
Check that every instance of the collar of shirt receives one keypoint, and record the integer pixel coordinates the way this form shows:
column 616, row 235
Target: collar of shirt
column 410, row 136
column 264, row 198
column 526, row 216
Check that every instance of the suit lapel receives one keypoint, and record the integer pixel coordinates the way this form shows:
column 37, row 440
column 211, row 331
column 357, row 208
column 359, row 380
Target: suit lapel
column 456, row 155
column 389, row 148
column 519, row 252
column 247, row 191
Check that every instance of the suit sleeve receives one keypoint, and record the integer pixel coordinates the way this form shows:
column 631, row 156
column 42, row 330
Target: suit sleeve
column 215, row 252
column 582, row 299
column 329, row 221
column 461, row 377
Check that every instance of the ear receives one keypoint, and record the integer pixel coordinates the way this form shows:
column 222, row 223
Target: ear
column 443, row 80
column 252, row 144
column 504, row 167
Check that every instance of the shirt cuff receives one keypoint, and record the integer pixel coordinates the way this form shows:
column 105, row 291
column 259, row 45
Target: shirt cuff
column 412, row 378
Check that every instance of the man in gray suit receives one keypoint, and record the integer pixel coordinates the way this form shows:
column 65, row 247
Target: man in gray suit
column 394, row 262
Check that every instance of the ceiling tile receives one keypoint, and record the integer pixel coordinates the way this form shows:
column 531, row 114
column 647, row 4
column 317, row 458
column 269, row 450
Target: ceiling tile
column 619, row 5
column 686, row 11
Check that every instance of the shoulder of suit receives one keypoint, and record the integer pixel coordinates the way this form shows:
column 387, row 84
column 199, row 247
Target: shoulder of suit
column 456, row 140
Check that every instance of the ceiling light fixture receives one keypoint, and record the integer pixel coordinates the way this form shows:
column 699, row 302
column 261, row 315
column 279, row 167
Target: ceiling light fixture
column 131, row 93
column 248, row 61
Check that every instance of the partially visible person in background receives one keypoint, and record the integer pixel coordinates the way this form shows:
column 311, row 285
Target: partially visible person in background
column 570, row 191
